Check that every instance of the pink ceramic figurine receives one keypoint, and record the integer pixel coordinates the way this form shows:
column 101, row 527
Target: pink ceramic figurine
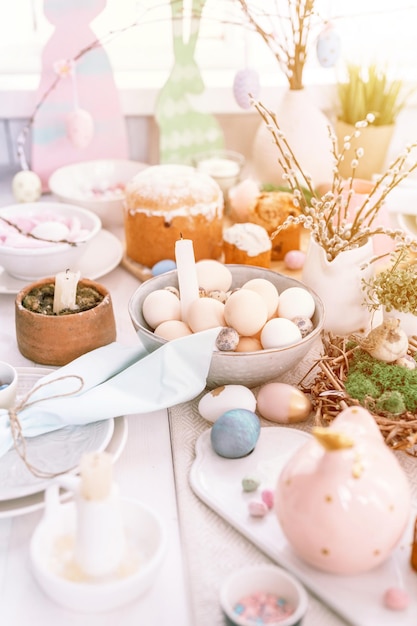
column 343, row 500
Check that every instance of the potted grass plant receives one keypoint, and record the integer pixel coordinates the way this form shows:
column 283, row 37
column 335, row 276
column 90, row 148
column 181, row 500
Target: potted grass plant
column 394, row 289
column 367, row 92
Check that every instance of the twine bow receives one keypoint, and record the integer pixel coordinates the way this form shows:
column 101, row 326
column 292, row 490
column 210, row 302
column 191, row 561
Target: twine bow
column 19, row 441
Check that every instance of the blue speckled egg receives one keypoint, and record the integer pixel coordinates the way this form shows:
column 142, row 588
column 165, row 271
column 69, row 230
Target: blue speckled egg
column 166, row 265
column 235, row 433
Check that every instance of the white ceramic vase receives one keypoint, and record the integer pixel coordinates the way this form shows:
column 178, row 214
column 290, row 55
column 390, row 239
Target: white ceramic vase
column 306, row 129
column 338, row 284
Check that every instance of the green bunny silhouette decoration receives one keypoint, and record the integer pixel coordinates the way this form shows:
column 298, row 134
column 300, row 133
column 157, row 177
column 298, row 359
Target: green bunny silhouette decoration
column 183, row 131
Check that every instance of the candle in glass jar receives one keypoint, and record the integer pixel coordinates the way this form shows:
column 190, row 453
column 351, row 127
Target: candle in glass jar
column 225, row 172
column 65, row 291
column 187, row 275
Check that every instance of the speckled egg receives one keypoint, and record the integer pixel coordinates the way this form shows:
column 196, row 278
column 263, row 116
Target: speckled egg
column 205, row 313
column 304, row 324
column 296, row 302
column 246, row 311
column 166, row 265
column 282, row 403
column 227, row 339
column 225, row 398
column 213, row 275
column 159, row 306
column 235, row 433
column 279, row 332
column 26, row 186
column 267, row 291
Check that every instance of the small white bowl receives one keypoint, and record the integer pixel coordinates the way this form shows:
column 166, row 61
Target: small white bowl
column 146, row 535
column 240, row 368
column 30, row 263
column 96, row 185
column 8, row 376
column 263, row 578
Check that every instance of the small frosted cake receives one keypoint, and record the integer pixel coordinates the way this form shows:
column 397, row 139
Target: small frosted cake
column 166, row 202
column 247, row 244
column 270, row 210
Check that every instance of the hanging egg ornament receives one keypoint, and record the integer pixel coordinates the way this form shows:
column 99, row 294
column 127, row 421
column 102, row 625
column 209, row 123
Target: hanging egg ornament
column 246, row 85
column 26, row 186
column 80, row 128
column 343, row 500
column 328, row 46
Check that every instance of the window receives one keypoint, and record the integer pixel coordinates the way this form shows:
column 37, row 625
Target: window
column 373, row 29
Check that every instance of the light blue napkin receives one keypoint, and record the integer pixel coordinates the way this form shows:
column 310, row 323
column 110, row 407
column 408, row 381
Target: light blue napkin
column 114, row 380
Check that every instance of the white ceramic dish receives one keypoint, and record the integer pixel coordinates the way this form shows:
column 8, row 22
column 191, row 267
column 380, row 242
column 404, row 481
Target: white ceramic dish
column 358, row 599
column 268, row 579
column 96, row 185
column 147, row 543
column 102, row 256
column 31, row 263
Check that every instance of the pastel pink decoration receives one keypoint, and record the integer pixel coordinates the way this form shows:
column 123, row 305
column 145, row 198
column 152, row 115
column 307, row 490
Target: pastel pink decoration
column 343, row 500
column 80, row 128
column 87, row 83
column 241, row 198
column 396, row 599
column 294, row 259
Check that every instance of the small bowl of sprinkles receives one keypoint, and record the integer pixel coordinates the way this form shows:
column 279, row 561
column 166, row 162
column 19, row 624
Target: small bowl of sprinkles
column 263, row 594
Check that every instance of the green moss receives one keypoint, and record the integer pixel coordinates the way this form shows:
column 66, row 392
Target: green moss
column 389, row 385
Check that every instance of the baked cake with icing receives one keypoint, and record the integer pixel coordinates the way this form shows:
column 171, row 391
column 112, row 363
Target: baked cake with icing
column 247, row 244
column 166, row 202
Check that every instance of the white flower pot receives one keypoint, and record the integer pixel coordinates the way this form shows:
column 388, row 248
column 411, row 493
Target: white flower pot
column 338, row 284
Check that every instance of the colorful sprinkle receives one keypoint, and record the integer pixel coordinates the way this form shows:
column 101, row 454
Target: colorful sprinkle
column 263, row 608
column 267, row 496
column 257, row 508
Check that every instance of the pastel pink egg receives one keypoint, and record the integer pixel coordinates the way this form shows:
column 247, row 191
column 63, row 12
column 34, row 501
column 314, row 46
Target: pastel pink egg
column 80, row 128
column 205, row 313
column 246, row 311
column 282, row 403
column 294, row 259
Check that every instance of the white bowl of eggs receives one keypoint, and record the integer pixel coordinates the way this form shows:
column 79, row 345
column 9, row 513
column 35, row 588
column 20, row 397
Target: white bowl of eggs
column 97, row 185
column 269, row 321
column 39, row 239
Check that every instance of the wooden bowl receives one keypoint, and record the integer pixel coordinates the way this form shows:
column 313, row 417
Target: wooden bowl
column 59, row 339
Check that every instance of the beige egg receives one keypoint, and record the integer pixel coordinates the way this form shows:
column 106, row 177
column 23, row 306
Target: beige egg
column 279, row 332
column 213, row 275
column 172, row 329
column 282, row 403
column 245, row 311
column 296, row 302
column 205, row 313
column 248, row 344
column 217, row 401
column 267, row 291
column 160, row 306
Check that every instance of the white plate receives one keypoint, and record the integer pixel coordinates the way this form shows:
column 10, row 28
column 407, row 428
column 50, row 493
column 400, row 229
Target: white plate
column 358, row 599
column 101, row 257
column 57, row 451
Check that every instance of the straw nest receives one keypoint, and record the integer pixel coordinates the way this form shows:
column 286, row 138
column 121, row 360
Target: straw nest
column 329, row 396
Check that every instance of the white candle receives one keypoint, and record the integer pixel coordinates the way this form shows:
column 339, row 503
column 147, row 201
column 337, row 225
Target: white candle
column 100, row 541
column 187, row 275
column 65, row 290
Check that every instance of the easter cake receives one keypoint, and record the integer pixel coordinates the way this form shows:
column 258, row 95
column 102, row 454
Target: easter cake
column 247, row 244
column 166, row 202
column 270, row 210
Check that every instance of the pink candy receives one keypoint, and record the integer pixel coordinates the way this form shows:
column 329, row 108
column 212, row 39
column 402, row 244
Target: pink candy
column 263, row 608
column 396, row 599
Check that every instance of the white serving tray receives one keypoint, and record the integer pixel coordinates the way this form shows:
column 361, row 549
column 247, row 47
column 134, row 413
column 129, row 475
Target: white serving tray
column 358, row 599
